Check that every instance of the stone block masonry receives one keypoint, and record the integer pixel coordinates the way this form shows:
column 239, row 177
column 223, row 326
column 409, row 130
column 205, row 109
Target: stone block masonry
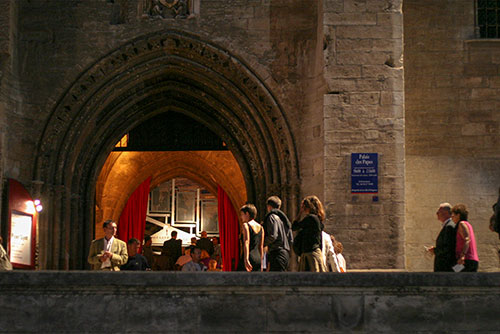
column 75, row 302
column 452, row 125
column 363, row 113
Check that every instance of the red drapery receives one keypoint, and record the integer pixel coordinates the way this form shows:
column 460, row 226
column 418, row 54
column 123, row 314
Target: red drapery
column 133, row 218
column 228, row 231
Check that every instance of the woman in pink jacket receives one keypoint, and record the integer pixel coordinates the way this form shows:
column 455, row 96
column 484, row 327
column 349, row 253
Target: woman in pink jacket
column 466, row 250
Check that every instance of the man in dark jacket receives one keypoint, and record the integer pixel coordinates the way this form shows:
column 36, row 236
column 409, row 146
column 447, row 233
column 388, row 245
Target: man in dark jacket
column 205, row 244
column 278, row 235
column 172, row 248
column 135, row 260
column 444, row 251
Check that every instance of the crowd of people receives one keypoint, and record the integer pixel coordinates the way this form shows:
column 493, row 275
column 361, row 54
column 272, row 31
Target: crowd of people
column 268, row 245
column 110, row 253
column 265, row 246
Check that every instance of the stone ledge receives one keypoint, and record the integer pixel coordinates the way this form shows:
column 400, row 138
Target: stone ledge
column 236, row 279
column 174, row 302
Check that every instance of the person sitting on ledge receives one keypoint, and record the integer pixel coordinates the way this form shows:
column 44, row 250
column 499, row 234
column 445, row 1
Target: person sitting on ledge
column 135, row 260
column 194, row 264
column 108, row 253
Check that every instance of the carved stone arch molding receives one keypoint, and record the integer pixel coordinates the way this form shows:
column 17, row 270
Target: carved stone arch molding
column 164, row 71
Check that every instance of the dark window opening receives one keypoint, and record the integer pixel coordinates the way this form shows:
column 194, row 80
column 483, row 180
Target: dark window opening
column 488, row 18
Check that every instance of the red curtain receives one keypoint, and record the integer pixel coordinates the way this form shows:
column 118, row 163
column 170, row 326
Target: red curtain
column 228, row 231
column 133, row 218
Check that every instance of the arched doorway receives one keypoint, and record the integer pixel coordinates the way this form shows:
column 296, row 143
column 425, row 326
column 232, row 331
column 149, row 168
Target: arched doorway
column 165, row 71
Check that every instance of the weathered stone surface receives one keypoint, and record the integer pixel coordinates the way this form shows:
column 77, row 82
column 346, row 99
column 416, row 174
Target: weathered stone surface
column 452, row 137
column 364, row 113
column 247, row 303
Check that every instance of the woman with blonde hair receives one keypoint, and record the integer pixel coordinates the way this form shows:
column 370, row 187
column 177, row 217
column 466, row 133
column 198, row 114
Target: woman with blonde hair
column 308, row 242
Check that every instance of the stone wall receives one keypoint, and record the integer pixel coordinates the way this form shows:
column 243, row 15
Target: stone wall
column 452, row 92
column 152, row 302
column 8, row 82
column 59, row 39
column 363, row 113
column 280, row 41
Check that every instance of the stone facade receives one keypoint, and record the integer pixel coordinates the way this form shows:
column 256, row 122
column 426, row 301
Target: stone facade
column 363, row 113
column 292, row 86
column 452, row 104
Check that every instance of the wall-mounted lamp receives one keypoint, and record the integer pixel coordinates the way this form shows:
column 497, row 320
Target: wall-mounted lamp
column 38, row 205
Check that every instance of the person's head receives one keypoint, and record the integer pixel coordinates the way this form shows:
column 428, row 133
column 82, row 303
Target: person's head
column 133, row 247
column 444, row 212
column 215, row 241
column 173, row 235
column 109, row 228
column 147, row 240
column 212, row 265
column 492, row 223
column 193, row 241
column 248, row 212
column 273, row 202
column 338, row 247
column 459, row 213
column 204, row 234
column 312, row 205
column 195, row 254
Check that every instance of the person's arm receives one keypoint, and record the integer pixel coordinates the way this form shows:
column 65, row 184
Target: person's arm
column 297, row 225
column 464, row 232
column 122, row 257
column 299, row 222
column 93, row 257
column 246, row 247
column 271, row 229
column 261, row 248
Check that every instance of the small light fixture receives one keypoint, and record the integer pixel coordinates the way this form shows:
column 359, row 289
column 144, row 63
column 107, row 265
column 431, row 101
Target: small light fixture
column 38, row 205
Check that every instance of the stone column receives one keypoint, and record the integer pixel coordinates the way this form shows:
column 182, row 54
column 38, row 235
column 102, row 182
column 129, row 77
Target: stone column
column 364, row 113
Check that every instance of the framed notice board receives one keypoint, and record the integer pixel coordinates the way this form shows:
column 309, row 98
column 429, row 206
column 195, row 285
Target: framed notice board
column 364, row 173
column 21, row 230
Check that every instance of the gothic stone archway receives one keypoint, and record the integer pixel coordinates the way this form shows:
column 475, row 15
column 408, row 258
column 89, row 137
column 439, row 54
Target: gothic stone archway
column 167, row 70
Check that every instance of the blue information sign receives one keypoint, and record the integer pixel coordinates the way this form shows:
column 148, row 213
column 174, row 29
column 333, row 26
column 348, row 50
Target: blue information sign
column 364, row 173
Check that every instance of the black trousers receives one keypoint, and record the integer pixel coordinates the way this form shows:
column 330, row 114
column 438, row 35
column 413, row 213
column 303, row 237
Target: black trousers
column 278, row 260
column 470, row 266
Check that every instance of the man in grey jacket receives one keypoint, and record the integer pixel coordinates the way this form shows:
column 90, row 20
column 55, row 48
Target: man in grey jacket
column 278, row 235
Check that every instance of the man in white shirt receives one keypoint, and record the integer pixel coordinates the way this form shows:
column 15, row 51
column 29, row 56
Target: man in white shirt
column 108, row 253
